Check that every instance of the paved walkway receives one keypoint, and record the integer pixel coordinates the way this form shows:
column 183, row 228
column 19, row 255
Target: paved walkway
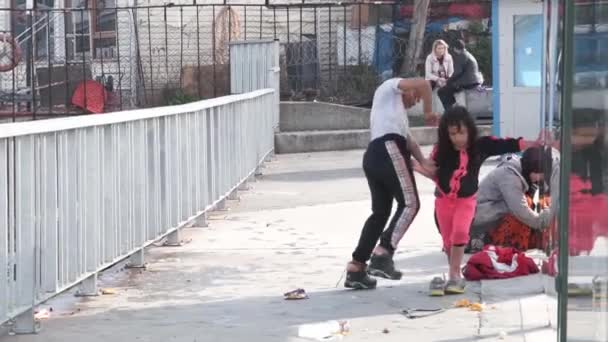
column 295, row 227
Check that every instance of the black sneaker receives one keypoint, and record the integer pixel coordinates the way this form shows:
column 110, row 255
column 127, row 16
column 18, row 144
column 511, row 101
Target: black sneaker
column 383, row 266
column 359, row 281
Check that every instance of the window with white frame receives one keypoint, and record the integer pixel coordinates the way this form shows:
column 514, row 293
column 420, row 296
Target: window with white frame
column 91, row 29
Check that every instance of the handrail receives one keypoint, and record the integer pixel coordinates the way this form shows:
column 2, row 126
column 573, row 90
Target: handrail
column 61, row 124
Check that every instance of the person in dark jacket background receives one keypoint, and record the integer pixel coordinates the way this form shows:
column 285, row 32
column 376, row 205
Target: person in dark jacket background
column 466, row 75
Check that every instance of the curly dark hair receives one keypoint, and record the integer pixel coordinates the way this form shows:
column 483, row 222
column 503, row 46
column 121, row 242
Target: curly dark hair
column 454, row 116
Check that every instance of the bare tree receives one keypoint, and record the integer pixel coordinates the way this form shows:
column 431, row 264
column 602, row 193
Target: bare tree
column 416, row 40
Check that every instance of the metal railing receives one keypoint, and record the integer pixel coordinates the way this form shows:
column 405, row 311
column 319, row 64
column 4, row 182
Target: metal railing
column 79, row 194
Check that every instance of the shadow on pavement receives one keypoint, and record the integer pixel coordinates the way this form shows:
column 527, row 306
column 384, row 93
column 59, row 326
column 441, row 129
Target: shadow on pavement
column 313, row 176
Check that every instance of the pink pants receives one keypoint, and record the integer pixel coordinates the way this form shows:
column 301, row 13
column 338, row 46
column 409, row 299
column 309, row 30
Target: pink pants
column 454, row 216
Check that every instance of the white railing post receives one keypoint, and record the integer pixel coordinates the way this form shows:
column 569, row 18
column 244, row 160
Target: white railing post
column 5, row 268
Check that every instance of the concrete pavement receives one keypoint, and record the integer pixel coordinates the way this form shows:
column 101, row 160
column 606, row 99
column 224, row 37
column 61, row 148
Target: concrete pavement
column 295, row 227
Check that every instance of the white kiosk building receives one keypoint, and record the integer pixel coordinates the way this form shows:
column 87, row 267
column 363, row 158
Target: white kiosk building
column 517, row 39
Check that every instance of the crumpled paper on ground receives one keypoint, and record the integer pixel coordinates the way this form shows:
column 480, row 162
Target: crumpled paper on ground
column 472, row 306
column 325, row 331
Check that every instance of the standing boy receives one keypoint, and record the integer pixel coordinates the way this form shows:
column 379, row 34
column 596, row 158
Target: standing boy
column 389, row 173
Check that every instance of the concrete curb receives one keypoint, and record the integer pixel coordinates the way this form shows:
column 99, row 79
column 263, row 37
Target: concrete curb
column 339, row 140
column 320, row 116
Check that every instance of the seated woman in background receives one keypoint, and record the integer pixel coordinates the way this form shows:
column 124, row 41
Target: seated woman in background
column 439, row 65
column 506, row 214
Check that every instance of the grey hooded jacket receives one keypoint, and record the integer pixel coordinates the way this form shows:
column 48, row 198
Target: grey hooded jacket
column 502, row 191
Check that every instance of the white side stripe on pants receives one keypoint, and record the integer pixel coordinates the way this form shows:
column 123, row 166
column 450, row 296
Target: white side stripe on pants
column 409, row 192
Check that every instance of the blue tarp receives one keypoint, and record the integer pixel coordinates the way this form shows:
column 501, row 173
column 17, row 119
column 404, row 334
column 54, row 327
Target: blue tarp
column 435, row 26
column 383, row 52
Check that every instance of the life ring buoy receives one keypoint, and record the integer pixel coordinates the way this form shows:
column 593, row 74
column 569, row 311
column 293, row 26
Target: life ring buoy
column 14, row 55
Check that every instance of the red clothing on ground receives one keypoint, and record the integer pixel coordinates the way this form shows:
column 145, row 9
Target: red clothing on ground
column 499, row 263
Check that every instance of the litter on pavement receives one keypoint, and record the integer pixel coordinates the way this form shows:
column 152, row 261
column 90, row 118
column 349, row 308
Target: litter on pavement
column 108, row 291
column 325, row 331
column 42, row 314
column 465, row 303
column 296, row 294
column 419, row 313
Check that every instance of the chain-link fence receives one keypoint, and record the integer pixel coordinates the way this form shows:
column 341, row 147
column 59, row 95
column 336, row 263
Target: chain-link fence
column 103, row 57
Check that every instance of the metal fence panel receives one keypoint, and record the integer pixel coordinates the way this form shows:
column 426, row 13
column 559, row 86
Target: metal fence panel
column 255, row 65
column 155, row 55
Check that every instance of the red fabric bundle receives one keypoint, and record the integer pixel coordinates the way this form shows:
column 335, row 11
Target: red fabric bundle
column 499, row 263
